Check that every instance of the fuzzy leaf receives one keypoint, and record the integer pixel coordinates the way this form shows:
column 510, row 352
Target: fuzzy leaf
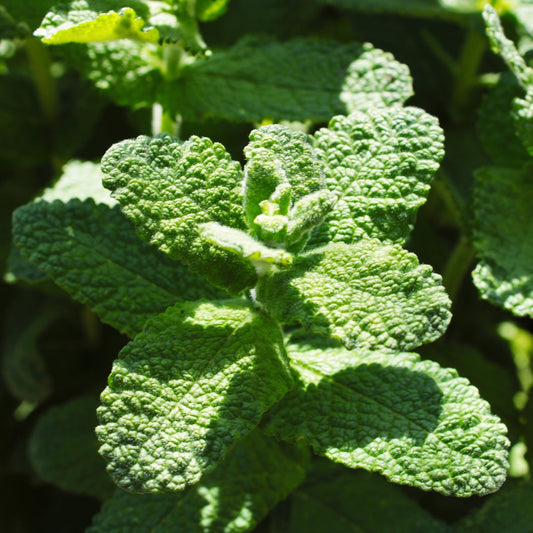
column 503, row 237
column 279, row 156
column 241, row 244
column 410, row 420
column 327, row 504
column 296, row 80
column 168, row 188
column 182, row 392
column 93, row 253
column 256, row 473
column 523, row 113
column 64, row 450
column 105, row 27
column 368, row 295
column 380, row 166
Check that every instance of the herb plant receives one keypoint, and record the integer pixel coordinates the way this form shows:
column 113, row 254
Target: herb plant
column 270, row 289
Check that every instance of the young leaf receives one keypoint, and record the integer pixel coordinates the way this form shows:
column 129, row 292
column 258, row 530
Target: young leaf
column 296, row 80
column 326, row 503
column 104, row 27
column 168, row 189
column 91, row 251
column 255, row 474
column 279, row 156
column 64, row 450
column 503, row 237
column 379, row 165
column 185, row 389
column 523, row 114
column 410, row 420
column 367, row 294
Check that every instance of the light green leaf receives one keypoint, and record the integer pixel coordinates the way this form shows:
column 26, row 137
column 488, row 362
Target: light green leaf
column 93, row 253
column 182, row 392
column 367, row 295
column 208, row 10
column 326, row 503
column 256, row 473
column 410, row 420
column 82, row 180
column 245, row 246
column 279, row 156
column 128, row 71
column 105, row 27
column 510, row 510
column 64, row 451
column 168, row 188
column 380, row 165
column 506, row 48
column 503, row 237
column 259, row 78
column 375, row 79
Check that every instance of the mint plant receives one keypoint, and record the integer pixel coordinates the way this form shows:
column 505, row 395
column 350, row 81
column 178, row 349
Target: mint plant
column 261, row 249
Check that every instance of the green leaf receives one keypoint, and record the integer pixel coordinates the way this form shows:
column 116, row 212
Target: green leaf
column 510, row 510
column 375, row 79
column 506, row 48
column 380, row 165
column 326, row 503
column 168, row 188
column 278, row 156
column 410, row 420
column 19, row 269
column 91, row 251
column 503, row 238
column 64, row 450
column 497, row 124
column 182, row 392
column 245, row 246
column 256, row 473
column 259, row 78
column 105, row 27
column 367, row 295
column 208, row 10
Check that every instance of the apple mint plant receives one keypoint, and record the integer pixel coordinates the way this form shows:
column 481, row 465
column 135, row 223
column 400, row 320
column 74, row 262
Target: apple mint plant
column 281, row 349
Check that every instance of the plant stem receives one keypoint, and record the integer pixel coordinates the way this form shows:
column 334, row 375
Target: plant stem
column 457, row 266
column 470, row 58
column 46, row 86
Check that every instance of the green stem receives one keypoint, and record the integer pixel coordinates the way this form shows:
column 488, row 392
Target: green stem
column 457, row 266
column 46, row 86
column 470, row 58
